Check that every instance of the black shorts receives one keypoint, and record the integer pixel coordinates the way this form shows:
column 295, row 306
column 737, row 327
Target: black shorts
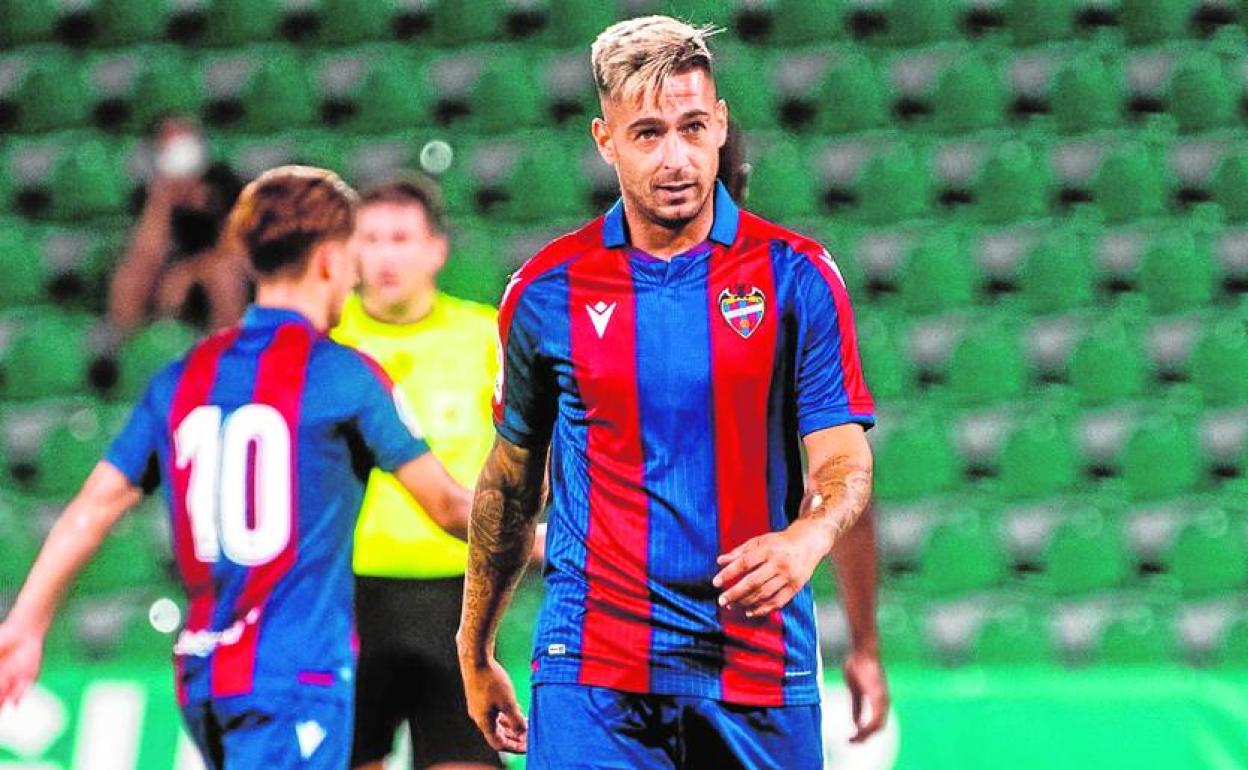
column 409, row 672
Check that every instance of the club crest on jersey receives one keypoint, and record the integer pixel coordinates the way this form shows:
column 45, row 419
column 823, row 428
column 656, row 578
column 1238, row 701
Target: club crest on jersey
column 742, row 309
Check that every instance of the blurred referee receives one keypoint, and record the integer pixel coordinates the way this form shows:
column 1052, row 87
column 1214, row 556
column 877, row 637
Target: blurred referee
column 441, row 351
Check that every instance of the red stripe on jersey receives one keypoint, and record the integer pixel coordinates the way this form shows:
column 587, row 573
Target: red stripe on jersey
column 551, row 256
column 615, row 637
column 193, row 390
column 375, row 368
column 280, row 379
column 860, row 400
column 741, row 374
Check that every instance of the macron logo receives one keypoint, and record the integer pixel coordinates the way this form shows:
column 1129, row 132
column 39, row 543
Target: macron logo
column 310, row 735
column 600, row 314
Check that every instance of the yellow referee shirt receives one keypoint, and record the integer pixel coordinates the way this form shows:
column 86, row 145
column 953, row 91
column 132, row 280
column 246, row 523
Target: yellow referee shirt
column 445, row 365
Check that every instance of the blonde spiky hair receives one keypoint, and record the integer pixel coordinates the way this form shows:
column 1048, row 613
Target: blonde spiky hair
column 634, row 58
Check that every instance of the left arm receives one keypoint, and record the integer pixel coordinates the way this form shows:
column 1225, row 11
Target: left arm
column 855, row 558
column 764, row 573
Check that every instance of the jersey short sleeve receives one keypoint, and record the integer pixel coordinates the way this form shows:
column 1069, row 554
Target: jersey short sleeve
column 524, row 394
column 831, row 389
column 133, row 451
column 385, row 422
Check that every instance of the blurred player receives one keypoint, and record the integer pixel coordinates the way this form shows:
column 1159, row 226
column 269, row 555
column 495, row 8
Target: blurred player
column 668, row 356
column 254, row 434
column 442, row 352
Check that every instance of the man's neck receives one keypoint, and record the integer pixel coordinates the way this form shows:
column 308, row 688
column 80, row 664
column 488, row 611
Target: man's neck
column 412, row 310
column 664, row 242
column 294, row 296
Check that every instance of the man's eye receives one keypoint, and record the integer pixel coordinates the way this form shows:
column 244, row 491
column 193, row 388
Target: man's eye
column 648, row 133
column 695, row 128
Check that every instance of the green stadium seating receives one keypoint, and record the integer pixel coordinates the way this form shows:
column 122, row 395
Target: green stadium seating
column 1170, row 290
column 894, row 186
column 738, row 70
column 1138, row 636
column 1087, row 553
column 546, row 184
column 125, row 22
column 475, row 270
column 348, row 22
column 1109, row 365
column 1086, row 95
column 146, row 353
column 1129, row 185
column 456, row 22
column 277, row 95
column 20, row 543
column 89, row 179
column 939, row 275
column 1162, row 458
column 21, row 266
column 575, row 23
column 27, row 21
column 853, row 97
column 915, row 459
column 987, row 366
column 887, row 368
column 505, row 97
column 781, row 187
column 167, row 85
column 69, row 452
column 48, row 357
column 1145, row 22
column 801, row 22
column 127, row 559
column 1219, row 364
column 1039, row 459
column 1059, row 253
column 53, row 93
column 901, row 637
column 915, row 22
column 395, row 95
column 1230, row 187
column 1202, row 96
column 1032, row 22
column 237, row 22
column 1232, row 648
column 1013, row 637
column 960, row 555
column 969, row 96
column 1209, row 556
column 1013, row 185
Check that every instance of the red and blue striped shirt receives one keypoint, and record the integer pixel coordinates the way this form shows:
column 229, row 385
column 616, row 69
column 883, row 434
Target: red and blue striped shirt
column 262, row 435
column 674, row 395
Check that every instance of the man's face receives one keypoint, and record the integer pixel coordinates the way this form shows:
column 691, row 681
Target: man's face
column 399, row 251
column 665, row 148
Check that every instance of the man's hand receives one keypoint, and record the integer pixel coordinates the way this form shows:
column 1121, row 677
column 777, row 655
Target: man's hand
column 764, row 573
column 21, row 651
column 492, row 705
column 864, row 675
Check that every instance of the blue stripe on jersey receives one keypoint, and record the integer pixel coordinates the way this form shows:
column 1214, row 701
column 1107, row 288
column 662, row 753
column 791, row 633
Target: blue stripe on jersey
column 674, row 373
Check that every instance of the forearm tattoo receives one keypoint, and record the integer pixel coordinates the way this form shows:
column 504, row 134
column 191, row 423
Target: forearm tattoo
column 500, row 536
column 839, row 492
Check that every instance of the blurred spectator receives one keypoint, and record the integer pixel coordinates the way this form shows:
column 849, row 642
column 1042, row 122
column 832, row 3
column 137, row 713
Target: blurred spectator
column 734, row 169
column 173, row 267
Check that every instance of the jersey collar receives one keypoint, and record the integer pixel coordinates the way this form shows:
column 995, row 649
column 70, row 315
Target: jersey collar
column 723, row 228
column 260, row 317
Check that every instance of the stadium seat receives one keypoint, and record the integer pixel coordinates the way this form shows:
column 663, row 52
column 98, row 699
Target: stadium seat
column 915, row 22
column 395, row 95
column 893, row 186
column 802, row 22
column 960, row 555
column 1129, row 185
column 126, row 560
column 1012, row 185
column 1170, row 290
column 740, row 78
column 20, row 264
column 20, row 543
column 1232, row 648
column 1230, row 187
column 146, row 353
column 348, row 22
column 238, row 22
column 1162, row 458
column 456, row 22
column 969, row 96
column 48, row 357
column 1039, row 459
column 853, row 97
column 69, row 452
column 987, row 366
column 781, row 186
column 1086, row 554
column 53, row 93
column 1219, row 364
column 88, row 179
column 1032, row 22
column 574, row 23
column 939, row 275
column 546, row 184
column 1208, row 556
column 1086, row 95
column 1138, row 635
column 915, row 459
column 27, row 21
column 125, row 22
column 475, row 270
column 277, row 95
column 884, row 360
column 1145, row 22
column 168, row 84
column 1203, row 96
column 505, row 96
column 1012, row 637
column 1059, row 252
column 1109, row 365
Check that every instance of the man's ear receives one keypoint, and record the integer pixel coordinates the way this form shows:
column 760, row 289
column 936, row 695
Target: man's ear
column 321, row 260
column 721, row 117
column 602, row 138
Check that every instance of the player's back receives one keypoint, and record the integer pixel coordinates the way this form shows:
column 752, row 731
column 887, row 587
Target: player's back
column 260, row 435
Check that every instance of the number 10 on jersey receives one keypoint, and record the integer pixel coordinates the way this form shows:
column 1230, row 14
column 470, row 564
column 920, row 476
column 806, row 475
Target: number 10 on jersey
column 251, row 444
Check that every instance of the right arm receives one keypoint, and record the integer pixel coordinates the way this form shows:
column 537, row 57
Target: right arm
column 134, row 280
column 508, row 500
column 74, row 539
column 446, row 502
